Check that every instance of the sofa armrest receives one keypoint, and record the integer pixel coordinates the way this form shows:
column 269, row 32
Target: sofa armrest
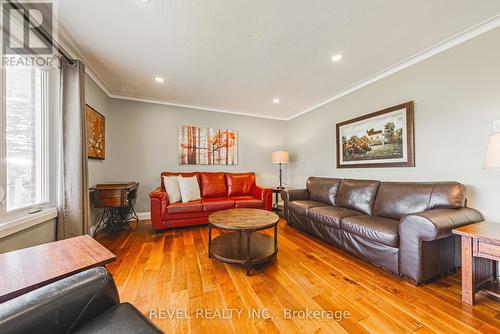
column 437, row 223
column 158, row 194
column 62, row 306
column 291, row 195
column 427, row 247
column 294, row 195
column 264, row 194
column 159, row 202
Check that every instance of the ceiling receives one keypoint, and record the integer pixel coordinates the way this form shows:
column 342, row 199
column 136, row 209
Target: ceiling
column 237, row 55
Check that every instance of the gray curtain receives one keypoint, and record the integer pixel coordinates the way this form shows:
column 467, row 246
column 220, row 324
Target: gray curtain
column 73, row 206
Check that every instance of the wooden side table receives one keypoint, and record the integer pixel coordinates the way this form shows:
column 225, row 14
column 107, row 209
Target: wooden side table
column 27, row 269
column 117, row 199
column 480, row 256
column 277, row 191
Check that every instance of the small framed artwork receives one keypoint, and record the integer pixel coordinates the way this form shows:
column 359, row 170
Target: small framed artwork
column 96, row 134
column 381, row 139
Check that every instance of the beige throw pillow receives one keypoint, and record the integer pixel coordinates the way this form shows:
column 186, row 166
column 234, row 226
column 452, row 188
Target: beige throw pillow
column 172, row 188
column 190, row 189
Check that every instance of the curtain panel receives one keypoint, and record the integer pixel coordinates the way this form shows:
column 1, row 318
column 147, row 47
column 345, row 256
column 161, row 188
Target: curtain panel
column 73, row 206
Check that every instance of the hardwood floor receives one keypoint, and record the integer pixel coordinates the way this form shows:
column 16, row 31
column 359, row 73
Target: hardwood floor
column 162, row 273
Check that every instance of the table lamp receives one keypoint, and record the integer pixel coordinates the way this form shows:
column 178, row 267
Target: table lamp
column 280, row 157
column 492, row 159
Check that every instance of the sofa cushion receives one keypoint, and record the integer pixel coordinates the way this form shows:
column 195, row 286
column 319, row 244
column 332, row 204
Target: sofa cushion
column 301, row 207
column 194, row 206
column 217, row 203
column 377, row 229
column 180, row 216
column 358, row 195
column 331, row 215
column 447, row 195
column 242, row 198
column 323, row 189
column 240, row 183
column 249, row 203
column 397, row 199
column 213, row 184
column 123, row 318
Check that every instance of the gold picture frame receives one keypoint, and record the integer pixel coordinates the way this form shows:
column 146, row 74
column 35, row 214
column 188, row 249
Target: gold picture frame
column 96, row 134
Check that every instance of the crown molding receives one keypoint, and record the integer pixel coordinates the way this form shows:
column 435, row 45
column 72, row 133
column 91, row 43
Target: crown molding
column 72, row 47
column 460, row 38
column 190, row 106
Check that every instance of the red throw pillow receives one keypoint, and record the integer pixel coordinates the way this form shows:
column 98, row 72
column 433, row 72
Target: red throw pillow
column 213, row 184
column 240, row 183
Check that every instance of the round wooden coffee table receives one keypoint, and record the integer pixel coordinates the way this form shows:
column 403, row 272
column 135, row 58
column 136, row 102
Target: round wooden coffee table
column 242, row 245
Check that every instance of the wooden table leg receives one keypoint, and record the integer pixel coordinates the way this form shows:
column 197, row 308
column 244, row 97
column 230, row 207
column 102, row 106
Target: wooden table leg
column 494, row 270
column 275, row 208
column 209, row 241
column 248, row 265
column 275, row 237
column 467, row 271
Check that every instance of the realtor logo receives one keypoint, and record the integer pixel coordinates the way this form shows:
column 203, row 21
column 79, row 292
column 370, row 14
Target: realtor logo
column 21, row 21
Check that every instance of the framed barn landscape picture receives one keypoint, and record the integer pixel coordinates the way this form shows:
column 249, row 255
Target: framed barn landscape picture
column 96, row 134
column 206, row 146
column 381, row 139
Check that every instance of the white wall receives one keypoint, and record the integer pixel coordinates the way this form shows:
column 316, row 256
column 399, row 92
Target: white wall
column 35, row 235
column 98, row 169
column 457, row 96
column 142, row 142
column 97, row 99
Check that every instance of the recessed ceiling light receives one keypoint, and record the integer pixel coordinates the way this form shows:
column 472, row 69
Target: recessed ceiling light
column 337, row 57
column 145, row 1
column 160, row 80
column 276, row 100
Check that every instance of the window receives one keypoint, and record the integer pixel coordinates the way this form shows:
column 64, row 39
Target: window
column 25, row 133
column 26, row 171
column 29, row 126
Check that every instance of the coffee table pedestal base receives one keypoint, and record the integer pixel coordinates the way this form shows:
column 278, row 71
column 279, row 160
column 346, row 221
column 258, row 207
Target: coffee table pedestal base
column 247, row 247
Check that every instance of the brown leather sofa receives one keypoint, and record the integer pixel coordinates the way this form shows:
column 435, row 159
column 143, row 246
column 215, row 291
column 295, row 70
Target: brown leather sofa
column 403, row 227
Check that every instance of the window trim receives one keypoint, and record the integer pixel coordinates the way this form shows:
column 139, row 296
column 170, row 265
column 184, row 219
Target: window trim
column 3, row 176
column 25, row 217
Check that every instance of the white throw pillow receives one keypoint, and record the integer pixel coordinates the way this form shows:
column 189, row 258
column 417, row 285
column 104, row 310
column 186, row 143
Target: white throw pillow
column 190, row 189
column 172, row 188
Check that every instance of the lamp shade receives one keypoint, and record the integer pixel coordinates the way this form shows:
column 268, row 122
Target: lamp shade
column 280, row 157
column 493, row 152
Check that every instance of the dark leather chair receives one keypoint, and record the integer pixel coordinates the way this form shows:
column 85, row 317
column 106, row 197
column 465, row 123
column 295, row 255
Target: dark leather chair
column 404, row 227
column 86, row 302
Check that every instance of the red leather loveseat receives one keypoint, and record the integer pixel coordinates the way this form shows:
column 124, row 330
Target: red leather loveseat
column 219, row 191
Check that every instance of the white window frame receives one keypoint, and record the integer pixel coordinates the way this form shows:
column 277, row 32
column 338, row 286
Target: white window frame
column 18, row 219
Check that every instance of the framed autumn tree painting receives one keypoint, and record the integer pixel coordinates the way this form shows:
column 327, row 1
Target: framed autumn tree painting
column 384, row 138
column 96, row 134
column 206, row 146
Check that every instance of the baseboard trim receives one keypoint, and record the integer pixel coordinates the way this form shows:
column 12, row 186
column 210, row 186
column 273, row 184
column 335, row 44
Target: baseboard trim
column 144, row 215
